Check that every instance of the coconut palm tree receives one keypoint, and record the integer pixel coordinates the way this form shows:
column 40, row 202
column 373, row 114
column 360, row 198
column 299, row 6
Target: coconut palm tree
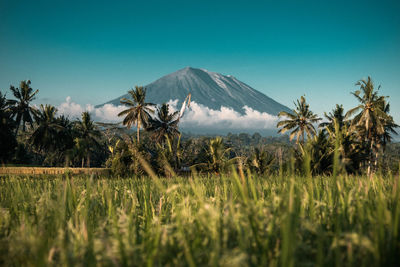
column 21, row 108
column 336, row 116
column 88, row 135
column 300, row 122
column 164, row 125
column 45, row 136
column 138, row 111
column 370, row 117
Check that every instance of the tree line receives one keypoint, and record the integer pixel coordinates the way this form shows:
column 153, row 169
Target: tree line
column 38, row 135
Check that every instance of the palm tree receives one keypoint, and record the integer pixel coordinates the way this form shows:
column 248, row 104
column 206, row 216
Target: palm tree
column 7, row 125
column 88, row 135
column 5, row 113
column 216, row 156
column 20, row 107
column 300, row 121
column 164, row 125
column 336, row 116
column 389, row 128
column 45, row 136
column 138, row 111
column 260, row 161
column 316, row 155
column 371, row 117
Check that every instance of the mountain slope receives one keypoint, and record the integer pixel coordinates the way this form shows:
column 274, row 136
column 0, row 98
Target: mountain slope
column 210, row 89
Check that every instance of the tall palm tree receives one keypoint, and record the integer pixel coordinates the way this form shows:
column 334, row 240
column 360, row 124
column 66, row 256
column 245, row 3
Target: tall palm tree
column 138, row 111
column 300, row 122
column 21, row 108
column 370, row 117
column 164, row 125
column 88, row 135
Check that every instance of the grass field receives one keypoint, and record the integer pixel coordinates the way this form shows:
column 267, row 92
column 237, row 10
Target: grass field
column 236, row 220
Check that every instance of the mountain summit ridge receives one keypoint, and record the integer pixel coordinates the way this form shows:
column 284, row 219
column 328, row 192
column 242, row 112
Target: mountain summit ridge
column 210, row 89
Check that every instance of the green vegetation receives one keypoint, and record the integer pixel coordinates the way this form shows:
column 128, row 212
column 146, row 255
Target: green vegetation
column 230, row 220
column 361, row 138
column 330, row 199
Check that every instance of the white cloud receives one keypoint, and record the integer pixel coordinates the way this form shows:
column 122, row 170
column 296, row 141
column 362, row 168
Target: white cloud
column 225, row 118
column 197, row 116
column 106, row 113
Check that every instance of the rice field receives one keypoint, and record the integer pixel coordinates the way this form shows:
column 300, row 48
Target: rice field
column 53, row 171
column 233, row 220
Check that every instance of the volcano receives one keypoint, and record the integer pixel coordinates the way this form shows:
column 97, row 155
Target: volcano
column 210, row 89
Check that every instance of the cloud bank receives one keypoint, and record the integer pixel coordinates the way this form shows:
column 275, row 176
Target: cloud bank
column 196, row 117
column 106, row 113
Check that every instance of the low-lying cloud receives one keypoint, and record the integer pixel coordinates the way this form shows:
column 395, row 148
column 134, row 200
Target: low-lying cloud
column 106, row 113
column 196, row 117
column 225, row 118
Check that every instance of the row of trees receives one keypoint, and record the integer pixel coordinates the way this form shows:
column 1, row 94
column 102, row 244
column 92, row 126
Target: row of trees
column 52, row 138
column 358, row 136
column 57, row 140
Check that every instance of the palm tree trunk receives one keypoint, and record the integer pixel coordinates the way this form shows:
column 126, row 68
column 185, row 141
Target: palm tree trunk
column 16, row 130
column 369, row 170
column 88, row 160
column 138, row 130
column 83, row 161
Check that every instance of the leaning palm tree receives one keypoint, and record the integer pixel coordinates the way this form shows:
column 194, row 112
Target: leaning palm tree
column 21, row 108
column 138, row 111
column 370, row 117
column 300, row 122
column 164, row 125
column 88, row 135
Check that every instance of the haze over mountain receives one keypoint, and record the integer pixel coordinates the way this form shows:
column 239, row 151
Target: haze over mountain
column 210, row 89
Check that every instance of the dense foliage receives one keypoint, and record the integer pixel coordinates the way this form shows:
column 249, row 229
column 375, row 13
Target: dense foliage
column 224, row 201
column 361, row 137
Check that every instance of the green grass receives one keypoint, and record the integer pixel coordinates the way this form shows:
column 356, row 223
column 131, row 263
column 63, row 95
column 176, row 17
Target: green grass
column 236, row 220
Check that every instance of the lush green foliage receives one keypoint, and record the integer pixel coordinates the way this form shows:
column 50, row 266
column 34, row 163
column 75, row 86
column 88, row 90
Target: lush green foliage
column 217, row 221
column 138, row 111
column 361, row 138
column 299, row 122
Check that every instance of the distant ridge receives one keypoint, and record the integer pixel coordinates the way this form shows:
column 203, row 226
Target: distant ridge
column 210, row 89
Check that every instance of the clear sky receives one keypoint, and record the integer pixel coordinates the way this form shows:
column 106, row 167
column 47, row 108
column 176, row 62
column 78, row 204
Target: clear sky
column 95, row 51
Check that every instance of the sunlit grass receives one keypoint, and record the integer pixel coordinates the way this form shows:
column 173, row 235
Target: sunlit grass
column 233, row 220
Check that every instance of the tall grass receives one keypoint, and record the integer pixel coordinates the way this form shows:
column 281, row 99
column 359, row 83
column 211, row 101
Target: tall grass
column 233, row 220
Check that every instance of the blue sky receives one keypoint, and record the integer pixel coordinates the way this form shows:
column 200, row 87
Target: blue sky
column 95, row 51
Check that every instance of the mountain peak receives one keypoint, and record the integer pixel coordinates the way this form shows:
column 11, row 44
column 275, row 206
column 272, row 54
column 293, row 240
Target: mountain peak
column 210, row 89
column 187, row 69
